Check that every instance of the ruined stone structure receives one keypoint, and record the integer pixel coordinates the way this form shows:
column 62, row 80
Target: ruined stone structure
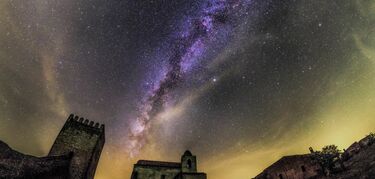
column 358, row 161
column 16, row 165
column 295, row 166
column 186, row 169
column 74, row 155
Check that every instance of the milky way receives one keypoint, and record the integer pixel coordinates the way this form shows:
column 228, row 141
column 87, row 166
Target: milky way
column 187, row 49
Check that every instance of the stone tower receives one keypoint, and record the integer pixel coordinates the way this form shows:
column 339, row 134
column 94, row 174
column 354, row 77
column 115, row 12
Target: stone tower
column 85, row 140
column 188, row 163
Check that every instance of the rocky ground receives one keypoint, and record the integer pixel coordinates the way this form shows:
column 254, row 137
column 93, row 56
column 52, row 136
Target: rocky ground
column 360, row 165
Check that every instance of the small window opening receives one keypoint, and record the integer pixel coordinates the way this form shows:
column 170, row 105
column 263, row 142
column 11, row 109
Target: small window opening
column 281, row 176
column 162, row 177
column 303, row 168
column 188, row 165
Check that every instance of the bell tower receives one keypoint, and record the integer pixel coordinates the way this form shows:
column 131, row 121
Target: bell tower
column 188, row 163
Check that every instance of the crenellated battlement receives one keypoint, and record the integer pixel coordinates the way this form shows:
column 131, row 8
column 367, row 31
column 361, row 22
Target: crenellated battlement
column 74, row 120
column 85, row 139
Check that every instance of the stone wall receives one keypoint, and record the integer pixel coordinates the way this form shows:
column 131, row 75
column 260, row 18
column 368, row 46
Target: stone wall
column 144, row 172
column 292, row 167
column 193, row 176
column 17, row 165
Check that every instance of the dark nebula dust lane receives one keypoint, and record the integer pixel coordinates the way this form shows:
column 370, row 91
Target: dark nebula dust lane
column 238, row 82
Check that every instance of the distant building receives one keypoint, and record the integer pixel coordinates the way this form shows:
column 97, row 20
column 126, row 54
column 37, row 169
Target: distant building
column 186, row 169
column 295, row 166
column 356, row 162
column 74, row 155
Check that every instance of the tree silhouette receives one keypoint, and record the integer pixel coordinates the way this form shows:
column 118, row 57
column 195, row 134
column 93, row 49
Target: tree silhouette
column 327, row 158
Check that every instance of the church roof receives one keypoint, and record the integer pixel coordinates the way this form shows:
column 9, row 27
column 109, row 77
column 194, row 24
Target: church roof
column 158, row 164
column 292, row 159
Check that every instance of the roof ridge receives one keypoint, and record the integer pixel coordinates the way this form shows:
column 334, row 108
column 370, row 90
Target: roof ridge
column 158, row 163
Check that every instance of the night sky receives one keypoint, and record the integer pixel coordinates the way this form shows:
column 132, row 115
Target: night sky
column 238, row 82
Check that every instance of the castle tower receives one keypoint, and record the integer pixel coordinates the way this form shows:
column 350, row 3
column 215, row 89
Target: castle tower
column 85, row 140
column 188, row 163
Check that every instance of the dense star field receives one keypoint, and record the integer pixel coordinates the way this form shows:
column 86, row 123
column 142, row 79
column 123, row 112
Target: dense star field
column 238, row 82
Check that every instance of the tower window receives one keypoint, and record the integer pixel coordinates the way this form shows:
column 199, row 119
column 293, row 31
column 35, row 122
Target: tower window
column 188, row 165
column 281, row 176
column 162, row 177
column 303, row 168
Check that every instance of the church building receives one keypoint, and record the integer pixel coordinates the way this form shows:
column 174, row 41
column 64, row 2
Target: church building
column 186, row 169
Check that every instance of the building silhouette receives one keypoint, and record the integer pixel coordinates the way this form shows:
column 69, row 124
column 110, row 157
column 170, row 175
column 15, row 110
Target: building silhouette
column 186, row 169
column 74, row 155
column 357, row 161
column 294, row 167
